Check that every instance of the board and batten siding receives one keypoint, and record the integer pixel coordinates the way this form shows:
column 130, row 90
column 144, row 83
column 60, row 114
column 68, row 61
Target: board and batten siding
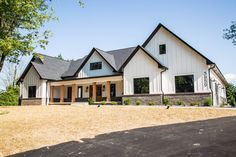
column 141, row 65
column 32, row 79
column 180, row 60
column 86, row 72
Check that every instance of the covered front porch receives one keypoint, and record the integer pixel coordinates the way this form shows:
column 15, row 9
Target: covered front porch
column 78, row 91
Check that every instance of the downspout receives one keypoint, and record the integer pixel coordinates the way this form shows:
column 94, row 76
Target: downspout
column 209, row 71
column 162, row 92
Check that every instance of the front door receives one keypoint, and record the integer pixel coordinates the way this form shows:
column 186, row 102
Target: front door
column 69, row 93
column 99, row 93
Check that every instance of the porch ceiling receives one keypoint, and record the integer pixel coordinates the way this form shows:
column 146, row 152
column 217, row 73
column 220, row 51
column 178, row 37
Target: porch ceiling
column 87, row 80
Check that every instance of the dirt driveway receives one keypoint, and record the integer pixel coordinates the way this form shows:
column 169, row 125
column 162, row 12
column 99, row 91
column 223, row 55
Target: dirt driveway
column 27, row 128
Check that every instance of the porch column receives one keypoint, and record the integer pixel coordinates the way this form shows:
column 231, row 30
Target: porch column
column 62, row 90
column 108, row 90
column 73, row 93
column 51, row 93
column 94, row 91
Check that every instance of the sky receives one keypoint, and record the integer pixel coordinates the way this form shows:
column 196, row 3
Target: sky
column 109, row 25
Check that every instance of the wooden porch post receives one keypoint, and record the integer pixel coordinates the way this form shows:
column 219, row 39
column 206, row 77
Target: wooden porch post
column 62, row 90
column 51, row 93
column 94, row 91
column 73, row 93
column 108, row 90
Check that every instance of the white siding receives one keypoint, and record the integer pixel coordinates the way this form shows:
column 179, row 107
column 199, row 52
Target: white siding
column 86, row 72
column 180, row 60
column 32, row 79
column 141, row 65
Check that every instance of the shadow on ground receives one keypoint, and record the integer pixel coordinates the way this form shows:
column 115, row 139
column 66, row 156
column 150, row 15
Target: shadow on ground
column 216, row 137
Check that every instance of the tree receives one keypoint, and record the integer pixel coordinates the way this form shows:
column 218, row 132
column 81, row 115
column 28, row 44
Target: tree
column 10, row 73
column 231, row 94
column 10, row 96
column 230, row 33
column 60, row 57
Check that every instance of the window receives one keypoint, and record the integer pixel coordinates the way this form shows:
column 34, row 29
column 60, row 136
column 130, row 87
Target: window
column 31, row 91
column 184, row 84
column 80, row 92
column 141, row 85
column 95, row 65
column 162, row 49
column 113, row 90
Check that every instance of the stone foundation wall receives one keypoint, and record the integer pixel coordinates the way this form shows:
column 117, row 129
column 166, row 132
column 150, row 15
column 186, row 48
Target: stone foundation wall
column 187, row 98
column 27, row 102
column 156, row 99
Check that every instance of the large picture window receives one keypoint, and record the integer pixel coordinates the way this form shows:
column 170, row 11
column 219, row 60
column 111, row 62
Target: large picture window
column 184, row 84
column 141, row 85
column 32, row 92
column 95, row 65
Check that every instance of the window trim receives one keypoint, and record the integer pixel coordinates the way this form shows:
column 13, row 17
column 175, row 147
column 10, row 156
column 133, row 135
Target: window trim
column 32, row 95
column 160, row 52
column 182, row 76
column 90, row 65
column 148, row 85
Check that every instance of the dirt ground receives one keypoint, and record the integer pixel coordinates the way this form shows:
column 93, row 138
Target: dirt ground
column 32, row 127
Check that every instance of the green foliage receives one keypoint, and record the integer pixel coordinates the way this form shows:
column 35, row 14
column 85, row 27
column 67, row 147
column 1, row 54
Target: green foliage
column 151, row 103
column 90, row 101
column 103, row 102
column 127, row 101
column 114, row 103
column 10, row 97
column 194, row 103
column 60, row 57
column 166, row 101
column 207, row 101
column 230, row 33
column 231, row 94
column 179, row 102
column 138, row 102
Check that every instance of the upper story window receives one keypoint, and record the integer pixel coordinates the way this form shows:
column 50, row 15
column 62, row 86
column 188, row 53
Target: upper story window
column 95, row 65
column 141, row 85
column 32, row 92
column 162, row 49
column 184, row 84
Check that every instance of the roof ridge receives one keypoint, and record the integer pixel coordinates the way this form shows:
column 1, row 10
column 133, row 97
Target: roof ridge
column 120, row 49
column 55, row 57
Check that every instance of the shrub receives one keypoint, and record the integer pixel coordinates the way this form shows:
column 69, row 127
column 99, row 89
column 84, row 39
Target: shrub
column 207, row 101
column 194, row 103
column 138, row 102
column 151, row 103
column 10, row 97
column 90, row 101
column 114, row 103
column 127, row 101
column 103, row 102
column 179, row 102
column 166, row 101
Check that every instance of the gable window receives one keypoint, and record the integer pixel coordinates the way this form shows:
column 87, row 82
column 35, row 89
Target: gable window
column 141, row 85
column 31, row 91
column 162, row 49
column 95, row 65
column 184, row 84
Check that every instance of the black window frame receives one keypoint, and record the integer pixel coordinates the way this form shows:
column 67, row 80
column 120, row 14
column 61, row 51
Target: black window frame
column 162, row 49
column 32, row 91
column 187, row 85
column 96, row 66
column 138, row 89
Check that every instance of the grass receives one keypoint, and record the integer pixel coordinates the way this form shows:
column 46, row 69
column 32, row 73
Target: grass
column 39, row 126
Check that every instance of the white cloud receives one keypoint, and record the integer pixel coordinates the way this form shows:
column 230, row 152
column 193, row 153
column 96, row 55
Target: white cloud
column 231, row 78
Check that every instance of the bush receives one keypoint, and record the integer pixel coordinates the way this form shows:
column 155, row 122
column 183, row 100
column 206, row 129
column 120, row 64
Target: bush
column 138, row 102
column 166, row 101
column 194, row 103
column 90, row 101
column 10, row 97
column 114, row 103
column 207, row 101
column 179, row 102
column 103, row 102
column 231, row 94
column 127, row 101
column 151, row 103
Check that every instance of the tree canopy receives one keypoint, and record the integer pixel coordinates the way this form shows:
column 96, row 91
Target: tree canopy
column 230, row 33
